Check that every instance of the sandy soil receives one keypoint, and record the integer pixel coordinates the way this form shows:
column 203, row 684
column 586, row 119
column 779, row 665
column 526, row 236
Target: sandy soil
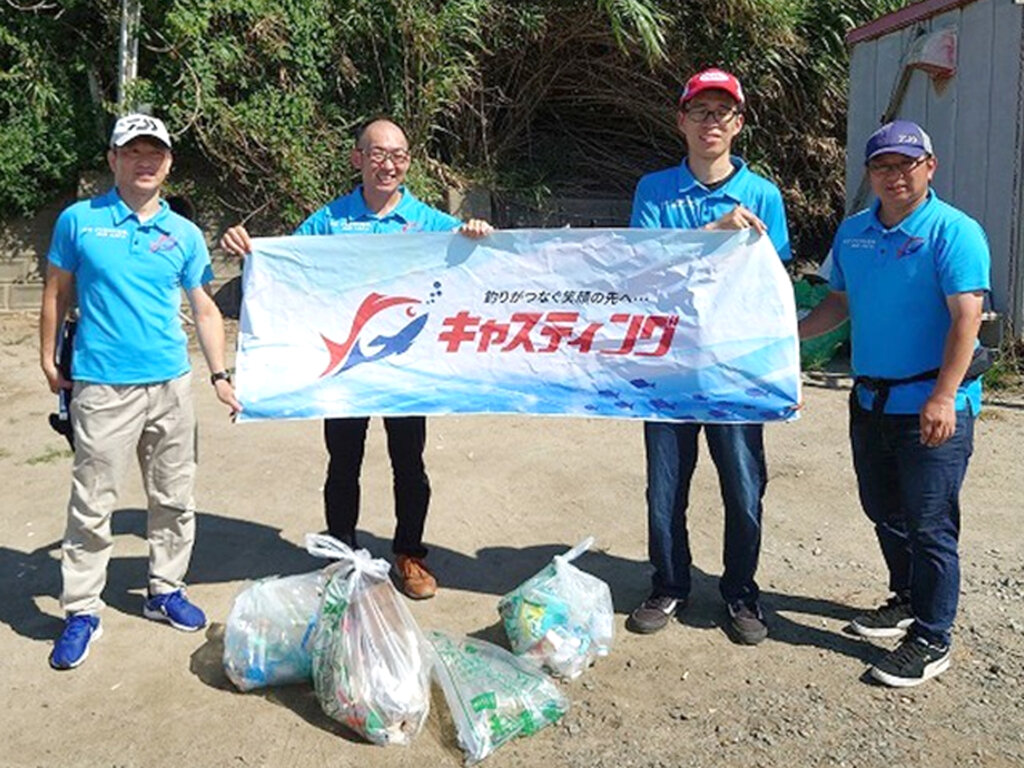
column 508, row 494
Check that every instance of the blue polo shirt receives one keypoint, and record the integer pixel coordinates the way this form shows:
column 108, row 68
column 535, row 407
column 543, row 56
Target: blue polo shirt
column 897, row 281
column 349, row 215
column 675, row 199
column 128, row 276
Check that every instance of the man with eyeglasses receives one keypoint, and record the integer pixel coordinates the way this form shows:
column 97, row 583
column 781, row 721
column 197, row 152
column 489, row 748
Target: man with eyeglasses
column 710, row 189
column 381, row 204
column 911, row 273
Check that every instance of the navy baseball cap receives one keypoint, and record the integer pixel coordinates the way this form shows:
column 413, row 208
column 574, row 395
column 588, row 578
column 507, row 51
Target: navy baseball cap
column 900, row 136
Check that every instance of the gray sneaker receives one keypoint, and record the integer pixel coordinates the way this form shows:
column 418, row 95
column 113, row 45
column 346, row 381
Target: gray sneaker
column 746, row 623
column 888, row 620
column 653, row 614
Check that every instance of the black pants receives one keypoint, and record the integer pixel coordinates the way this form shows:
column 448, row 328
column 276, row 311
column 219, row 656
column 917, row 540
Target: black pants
column 346, row 442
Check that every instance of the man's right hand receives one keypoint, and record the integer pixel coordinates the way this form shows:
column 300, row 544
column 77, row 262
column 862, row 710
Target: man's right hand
column 55, row 379
column 236, row 240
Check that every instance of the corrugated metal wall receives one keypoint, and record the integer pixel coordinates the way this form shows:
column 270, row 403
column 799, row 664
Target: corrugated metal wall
column 976, row 123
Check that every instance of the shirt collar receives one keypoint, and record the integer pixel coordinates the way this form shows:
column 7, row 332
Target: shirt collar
column 907, row 225
column 400, row 211
column 687, row 181
column 120, row 212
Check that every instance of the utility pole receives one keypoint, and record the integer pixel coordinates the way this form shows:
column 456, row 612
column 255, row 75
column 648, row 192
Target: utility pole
column 128, row 54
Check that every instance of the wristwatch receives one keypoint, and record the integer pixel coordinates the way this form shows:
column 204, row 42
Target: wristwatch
column 220, row 376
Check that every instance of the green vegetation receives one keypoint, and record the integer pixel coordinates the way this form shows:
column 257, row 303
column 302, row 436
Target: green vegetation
column 50, row 455
column 572, row 96
column 1007, row 372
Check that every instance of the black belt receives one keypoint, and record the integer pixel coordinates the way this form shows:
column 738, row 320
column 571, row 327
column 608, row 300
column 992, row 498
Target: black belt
column 880, row 387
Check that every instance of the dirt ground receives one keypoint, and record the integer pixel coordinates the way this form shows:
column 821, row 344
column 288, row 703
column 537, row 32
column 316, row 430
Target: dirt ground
column 508, row 494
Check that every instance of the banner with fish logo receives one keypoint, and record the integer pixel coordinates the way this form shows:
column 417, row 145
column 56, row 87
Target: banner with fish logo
column 670, row 325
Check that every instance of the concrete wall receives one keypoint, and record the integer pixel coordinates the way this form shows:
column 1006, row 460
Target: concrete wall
column 976, row 121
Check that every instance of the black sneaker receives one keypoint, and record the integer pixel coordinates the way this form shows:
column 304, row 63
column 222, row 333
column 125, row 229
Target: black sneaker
column 913, row 662
column 747, row 623
column 889, row 620
column 653, row 614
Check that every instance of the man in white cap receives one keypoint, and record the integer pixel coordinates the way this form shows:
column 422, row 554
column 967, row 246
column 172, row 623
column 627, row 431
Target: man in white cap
column 910, row 272
column 127, row 256
column 710, row 189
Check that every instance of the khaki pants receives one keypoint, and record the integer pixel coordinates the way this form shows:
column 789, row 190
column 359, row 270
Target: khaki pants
column 155, row 422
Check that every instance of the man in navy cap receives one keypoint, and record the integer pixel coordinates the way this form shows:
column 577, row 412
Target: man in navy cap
column 911, row 272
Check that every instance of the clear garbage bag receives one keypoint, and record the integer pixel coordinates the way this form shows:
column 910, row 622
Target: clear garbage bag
column 562, row 617
column 371, row 663
column 268, row 628
column 493, row 695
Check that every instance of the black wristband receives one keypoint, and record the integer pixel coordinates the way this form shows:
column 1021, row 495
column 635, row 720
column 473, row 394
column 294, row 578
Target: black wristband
column 220, row 376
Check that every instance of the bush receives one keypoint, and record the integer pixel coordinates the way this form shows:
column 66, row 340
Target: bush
column 564, row 95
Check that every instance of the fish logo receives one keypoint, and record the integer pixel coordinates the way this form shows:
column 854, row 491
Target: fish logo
column 910, row 246
column 373, row 313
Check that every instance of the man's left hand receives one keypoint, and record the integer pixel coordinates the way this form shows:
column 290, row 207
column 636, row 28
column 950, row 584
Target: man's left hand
column 476, row 229
column 938, row 420
column 226, row 394
column 739, row 217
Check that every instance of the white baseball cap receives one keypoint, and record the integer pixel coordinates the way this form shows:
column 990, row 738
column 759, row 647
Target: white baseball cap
column 132, row 127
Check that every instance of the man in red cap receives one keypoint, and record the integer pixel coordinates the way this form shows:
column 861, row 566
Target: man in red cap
column 710, row 189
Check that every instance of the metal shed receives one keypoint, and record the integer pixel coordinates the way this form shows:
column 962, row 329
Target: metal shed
column 956, row 67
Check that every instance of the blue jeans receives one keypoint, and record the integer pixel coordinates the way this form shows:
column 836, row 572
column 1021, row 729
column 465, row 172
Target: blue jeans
column 738, row 453
column 911, row 493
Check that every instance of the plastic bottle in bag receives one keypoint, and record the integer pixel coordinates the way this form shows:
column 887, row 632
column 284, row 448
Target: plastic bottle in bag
column 493, row 695
column 268, row 628
column 371, row 664
column 561, row 617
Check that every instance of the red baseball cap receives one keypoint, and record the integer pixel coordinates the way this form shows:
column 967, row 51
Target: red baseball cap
column 709, row 79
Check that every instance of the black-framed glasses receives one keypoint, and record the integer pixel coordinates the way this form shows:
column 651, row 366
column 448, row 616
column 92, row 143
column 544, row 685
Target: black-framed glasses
column 379, row 155
column 901, row 167
column 719, row 115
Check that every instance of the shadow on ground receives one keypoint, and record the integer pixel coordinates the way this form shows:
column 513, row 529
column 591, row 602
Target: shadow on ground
column 229, row 549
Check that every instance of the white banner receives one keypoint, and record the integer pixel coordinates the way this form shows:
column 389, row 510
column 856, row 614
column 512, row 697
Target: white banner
column 628, row 323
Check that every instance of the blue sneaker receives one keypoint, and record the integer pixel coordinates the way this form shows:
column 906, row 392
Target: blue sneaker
column 176, row 610
column 72, row 647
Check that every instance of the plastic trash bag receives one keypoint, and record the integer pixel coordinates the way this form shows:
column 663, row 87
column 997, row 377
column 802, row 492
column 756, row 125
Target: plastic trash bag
column 493, row 695
column 817, row 352
column 562, row 617
column 371, row 663
column 268, row 628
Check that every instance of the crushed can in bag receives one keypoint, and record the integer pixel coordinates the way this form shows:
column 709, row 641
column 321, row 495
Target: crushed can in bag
column 371, row 663
column 494, row 696
column 562, row 617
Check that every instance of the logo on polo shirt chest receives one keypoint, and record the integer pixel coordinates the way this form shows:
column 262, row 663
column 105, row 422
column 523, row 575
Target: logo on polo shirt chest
column 163, row 243
column 912, row 245
column 117, row 234
column 344, row 225
column 860, row 243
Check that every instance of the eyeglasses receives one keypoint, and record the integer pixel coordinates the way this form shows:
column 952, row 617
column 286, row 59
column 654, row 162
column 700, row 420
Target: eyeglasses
column 720, row 115
column 901, row 167
column 379, row 155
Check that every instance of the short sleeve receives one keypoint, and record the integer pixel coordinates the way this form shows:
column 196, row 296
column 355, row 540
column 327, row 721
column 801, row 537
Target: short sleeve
column 197, row 270
column 646, row 213
column 774, row 217
column 315, row 224
column 962, row 258
column 63, row 252
column 836, row 278
column 443, row 222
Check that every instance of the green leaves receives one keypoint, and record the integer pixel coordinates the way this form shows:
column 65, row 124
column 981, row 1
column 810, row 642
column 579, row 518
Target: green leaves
column 526, row 96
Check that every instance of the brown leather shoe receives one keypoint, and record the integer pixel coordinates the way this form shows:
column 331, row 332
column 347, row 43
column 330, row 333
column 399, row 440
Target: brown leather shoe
column 417, row 580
